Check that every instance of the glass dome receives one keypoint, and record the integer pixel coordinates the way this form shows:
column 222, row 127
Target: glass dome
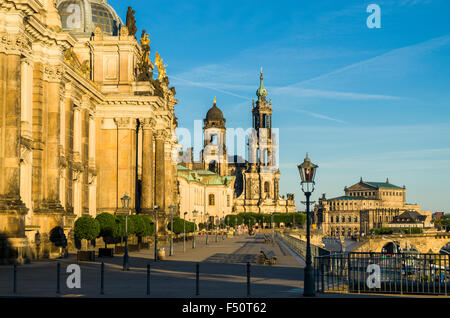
column 81, row 17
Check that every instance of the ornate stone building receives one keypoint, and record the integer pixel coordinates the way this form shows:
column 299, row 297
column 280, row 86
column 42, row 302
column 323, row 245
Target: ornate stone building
column 206, row 192
column 256, row 186
column 82, row 121
column 365, row 205
column 261, row 176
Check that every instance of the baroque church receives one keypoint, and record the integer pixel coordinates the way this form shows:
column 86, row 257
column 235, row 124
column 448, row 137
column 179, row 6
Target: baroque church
column 255, row 180
column 83, row 120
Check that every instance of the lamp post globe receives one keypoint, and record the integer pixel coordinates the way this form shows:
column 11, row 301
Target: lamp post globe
column 126, row 206
column 307, row 172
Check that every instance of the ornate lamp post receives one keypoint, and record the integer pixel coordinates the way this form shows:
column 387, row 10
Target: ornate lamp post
column 217, row 224
column 126, row 206
column 207, row 227
column 307, row 172
column 156, row 232
column 171, row 209
column 194, row 213
column 273, row 229
column 184, row 230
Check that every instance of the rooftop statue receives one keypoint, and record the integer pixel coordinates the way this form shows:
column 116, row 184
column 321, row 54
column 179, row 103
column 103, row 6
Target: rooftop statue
column 145, row 56
column 131, row 21
column 160, row 66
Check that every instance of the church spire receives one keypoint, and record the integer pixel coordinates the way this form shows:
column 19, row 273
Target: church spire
column 261, row 93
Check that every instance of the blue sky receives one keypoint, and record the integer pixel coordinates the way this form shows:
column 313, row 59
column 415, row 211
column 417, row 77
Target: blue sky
column 371, row 103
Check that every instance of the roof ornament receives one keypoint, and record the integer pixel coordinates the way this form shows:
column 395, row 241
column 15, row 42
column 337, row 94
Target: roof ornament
column 261, row 91
column 387, row 180
column 131, row 21
column 361, row 180
column 214, row 100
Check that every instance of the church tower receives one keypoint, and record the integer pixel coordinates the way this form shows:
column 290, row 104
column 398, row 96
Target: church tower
column 214, row 153
column 261, row 178
column 261, row 150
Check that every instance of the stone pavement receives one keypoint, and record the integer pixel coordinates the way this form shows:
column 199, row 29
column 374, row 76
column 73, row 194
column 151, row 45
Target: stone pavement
column 223, row 272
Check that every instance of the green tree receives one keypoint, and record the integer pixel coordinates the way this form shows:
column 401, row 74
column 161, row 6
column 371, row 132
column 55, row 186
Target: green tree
column 86, row 228
column 108, row 227
column 120, row 220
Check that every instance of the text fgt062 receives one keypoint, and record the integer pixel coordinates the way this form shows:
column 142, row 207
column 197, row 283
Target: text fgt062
column 246, row 307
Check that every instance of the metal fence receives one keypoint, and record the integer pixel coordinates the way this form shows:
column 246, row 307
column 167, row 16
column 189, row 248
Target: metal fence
column 403, row 273
column 299, row 246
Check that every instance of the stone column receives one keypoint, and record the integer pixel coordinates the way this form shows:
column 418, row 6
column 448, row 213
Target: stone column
column 148, row 125
column 12, row 209
column 126, row 149
column 160, row 170
column 92, row 177
column 53, row 75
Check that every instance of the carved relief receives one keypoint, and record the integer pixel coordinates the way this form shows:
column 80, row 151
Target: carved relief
column 125, row 123
column 15, row 44
column 162, row 134
column 53, row 73
column 148, row 123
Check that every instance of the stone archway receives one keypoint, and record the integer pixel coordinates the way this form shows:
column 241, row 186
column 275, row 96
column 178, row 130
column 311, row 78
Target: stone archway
column 390, row 248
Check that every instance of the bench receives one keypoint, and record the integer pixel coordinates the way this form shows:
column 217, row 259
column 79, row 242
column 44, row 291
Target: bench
column 268, row 257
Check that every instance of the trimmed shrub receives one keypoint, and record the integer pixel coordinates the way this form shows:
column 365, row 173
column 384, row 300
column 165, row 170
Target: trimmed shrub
column 58, row 237
column 108, row 227
column 87, row 228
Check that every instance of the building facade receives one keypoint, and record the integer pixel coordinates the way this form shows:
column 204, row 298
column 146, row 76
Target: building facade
column 256, row 185
column 365, row 205
column 82, row 120
column 260, row 177
column 206, row 192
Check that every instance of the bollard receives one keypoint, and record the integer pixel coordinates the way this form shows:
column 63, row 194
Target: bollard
column 58, row 274
column 248, row 279
column 148, row 279
column 197, row 280
column 102, row 278
column 15, row 278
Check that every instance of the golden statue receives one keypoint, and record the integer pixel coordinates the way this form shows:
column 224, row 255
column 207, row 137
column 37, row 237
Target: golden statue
column 160, row 66
column 145, row 44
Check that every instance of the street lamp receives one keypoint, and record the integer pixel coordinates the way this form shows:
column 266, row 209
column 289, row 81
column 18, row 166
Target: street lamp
column 207, row 227
column 184, row 230
column 307, row 172
column 171, row 209
column 273, row 229
column 126, row 205
column 217, row 224
column 156, row 232
column 194, row 213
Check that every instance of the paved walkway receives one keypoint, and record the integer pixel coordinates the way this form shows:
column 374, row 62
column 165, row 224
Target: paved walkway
column 223, row 272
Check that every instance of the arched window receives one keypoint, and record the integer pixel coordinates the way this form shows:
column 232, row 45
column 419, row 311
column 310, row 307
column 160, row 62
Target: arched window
column 211, row 199
column 266, row 187
column 349, row 219
column 343, row 219
column 331, row 219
